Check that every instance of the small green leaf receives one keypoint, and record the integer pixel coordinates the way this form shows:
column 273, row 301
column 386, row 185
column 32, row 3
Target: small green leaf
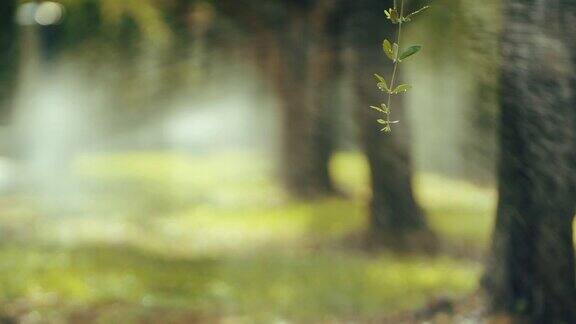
column 410, row 16
column 395, row 51
column 382, row 121
column 401, row 88
column 383, row 109
column 410, row 51
column 377, row 109
column 388, row 50
column 394, row 16
column 382, row 85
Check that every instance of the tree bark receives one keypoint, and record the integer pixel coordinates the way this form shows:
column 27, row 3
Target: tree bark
column 531, row 274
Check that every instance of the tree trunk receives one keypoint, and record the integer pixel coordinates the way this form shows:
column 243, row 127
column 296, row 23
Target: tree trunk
column 298, row 155
column 299, row 70
column 8, row 55
column 531, row 274
column 303, row 72
column 396, row 218
column 324, row 68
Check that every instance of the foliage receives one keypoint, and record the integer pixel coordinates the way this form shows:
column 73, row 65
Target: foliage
column 146, row 15
column 396, row 54
column 107, row 22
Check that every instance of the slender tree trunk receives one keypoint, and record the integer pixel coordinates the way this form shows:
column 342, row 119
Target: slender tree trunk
column 531, row 274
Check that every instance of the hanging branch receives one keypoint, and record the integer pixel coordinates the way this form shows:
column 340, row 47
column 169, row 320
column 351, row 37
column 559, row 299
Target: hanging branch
column 394, row 53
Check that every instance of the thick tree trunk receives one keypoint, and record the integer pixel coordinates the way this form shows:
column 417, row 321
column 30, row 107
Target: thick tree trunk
column 302, row 76
column 298, row 155
column 324, row 68
column 531, row 274
column 293, row 58
column 396, row 218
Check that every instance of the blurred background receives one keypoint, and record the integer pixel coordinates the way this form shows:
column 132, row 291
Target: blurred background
column 197, row 161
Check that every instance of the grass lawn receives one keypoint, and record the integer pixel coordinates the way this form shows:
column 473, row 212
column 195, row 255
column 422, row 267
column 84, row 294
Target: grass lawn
column 183, row 239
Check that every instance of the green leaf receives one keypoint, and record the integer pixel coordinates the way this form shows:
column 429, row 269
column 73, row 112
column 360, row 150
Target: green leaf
column 383, row 87
column 410, row 16
column 388, row 49
column 401, row 88
column 387, row 125
column 377, row 109
column 410, row 51
column 387, row 13
column 382, row 84
column 383, row 109
column 392, row 15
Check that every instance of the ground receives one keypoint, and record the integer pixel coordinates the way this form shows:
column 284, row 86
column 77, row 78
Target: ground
column 152, row 237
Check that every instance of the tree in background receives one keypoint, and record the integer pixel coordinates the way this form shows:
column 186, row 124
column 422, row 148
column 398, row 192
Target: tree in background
column 303, row 46
column 295, row 53
column 531, row 275
column 396, row 217
column 8, row 54
column 301, row 73
column 300, row 51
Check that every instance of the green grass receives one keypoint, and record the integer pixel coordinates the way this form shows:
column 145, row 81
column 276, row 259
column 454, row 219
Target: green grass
column 460, row 212
column 306, row 286
column 216, row 237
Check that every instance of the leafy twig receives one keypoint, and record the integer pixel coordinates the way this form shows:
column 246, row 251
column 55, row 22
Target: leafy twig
column 394, row 53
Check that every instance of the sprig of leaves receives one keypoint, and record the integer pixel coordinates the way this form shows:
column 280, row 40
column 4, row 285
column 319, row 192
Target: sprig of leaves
column 393, row 51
